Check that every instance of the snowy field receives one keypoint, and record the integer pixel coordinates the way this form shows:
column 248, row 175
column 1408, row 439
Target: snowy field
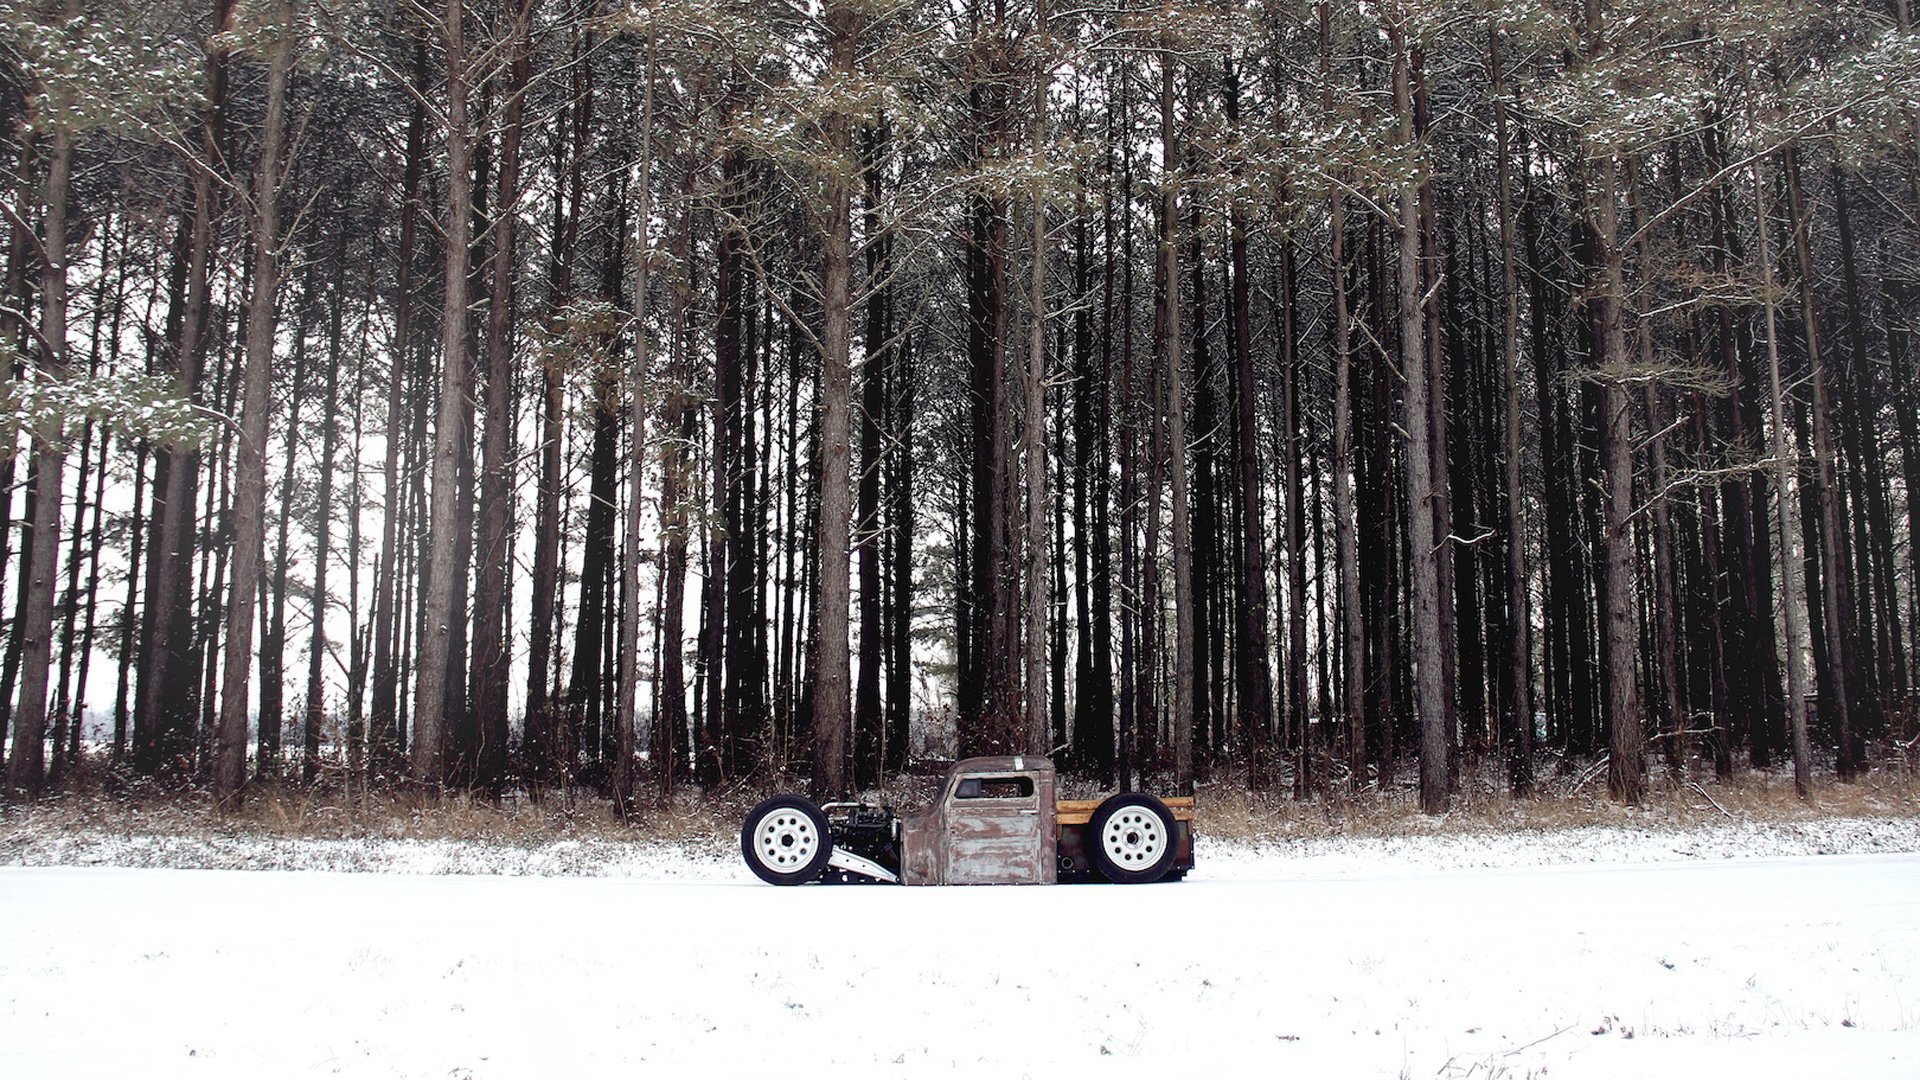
column 1746, row 951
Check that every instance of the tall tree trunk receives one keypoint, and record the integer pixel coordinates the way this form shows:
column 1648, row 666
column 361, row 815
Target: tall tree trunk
column 1906, row 402
column 1836, row 589
column 68, row 717
column 96, row 540
column 383, row 717
column 1557, row 585
column 1353, row 639
column 1172, row 365
column 358, row 643
column 63, row 718
column 1293, row 531
column 639, row 385
column 1667, row 601
column 1080, row 394
column 443, row 574
column 491, row 656
column 1758, row 707
column 832, row 716
column 719, row 739
column 122, row 703
column 16, row 298
column 168, row 694
column 1382, row 563
column 1793, row 592
column 542, row 745
column 580, row 738
column 323, row 529
column 115, row 325
column 1626, row 776
column 273, row 584
column 1519, row 594
column 1097, row 740
column 1433, row 282
column 1863, row 391
column 204, row 665
column 901, row 493
column 1208, row 509
column 1423, row 549
column 1626, row 770
column 999, row 726
column 745, row 688
column 1135, row 649
column 973, row 592
column 250, row 475
column 26, row 764
column 869, row 726
column 1034, row 439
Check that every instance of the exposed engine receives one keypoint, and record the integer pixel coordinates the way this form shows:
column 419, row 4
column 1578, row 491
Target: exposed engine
column 871, row 832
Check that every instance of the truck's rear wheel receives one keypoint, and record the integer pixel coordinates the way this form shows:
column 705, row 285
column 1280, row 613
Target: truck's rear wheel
column 1132, row 838
column 786, row 841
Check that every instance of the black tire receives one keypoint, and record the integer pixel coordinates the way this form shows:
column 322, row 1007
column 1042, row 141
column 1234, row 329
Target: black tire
column 1133, row 838
column 786, row 841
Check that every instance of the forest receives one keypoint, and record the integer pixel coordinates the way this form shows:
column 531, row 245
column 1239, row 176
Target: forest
column 511, row 396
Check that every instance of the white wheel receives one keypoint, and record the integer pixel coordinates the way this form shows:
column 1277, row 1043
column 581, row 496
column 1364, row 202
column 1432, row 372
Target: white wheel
column 785, row 841
column 1133, row 838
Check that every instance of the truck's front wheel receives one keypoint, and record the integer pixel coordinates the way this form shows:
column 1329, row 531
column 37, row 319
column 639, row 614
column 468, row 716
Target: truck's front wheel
column 1133, row 838
column 786, row 841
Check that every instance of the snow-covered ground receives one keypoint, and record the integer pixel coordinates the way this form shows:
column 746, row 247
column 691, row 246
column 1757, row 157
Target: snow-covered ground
column 1743, row 950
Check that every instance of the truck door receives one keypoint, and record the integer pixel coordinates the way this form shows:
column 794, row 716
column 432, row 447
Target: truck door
column 999, row 831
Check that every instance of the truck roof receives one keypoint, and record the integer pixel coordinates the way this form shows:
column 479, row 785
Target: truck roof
column 1004, row 763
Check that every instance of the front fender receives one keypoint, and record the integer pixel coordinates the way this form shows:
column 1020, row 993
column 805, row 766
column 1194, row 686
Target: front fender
column 923, row 848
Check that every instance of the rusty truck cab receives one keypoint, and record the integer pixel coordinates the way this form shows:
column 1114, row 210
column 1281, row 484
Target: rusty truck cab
column 993, row 824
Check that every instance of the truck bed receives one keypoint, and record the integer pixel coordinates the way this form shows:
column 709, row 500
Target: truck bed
column 1072, row 818
column 1080, row 811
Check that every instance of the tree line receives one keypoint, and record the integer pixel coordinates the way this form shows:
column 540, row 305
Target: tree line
column 555, row 393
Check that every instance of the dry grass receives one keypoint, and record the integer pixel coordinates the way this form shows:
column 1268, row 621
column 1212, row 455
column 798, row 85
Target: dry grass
column 1226, row 808
column 291, row 811
column 105, row 800
column 1565, row 800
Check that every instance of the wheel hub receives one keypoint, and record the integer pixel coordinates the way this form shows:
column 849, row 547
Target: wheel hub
column 785, row 840
column 1133, row 838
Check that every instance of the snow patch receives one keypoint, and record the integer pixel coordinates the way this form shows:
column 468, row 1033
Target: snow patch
column 1601, row 952
column 718, row 859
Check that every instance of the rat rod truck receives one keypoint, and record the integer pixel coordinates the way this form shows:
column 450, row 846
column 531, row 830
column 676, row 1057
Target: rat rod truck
column 996, row 822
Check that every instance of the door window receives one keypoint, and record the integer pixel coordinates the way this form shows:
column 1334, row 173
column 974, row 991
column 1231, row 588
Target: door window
column 994, row 787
